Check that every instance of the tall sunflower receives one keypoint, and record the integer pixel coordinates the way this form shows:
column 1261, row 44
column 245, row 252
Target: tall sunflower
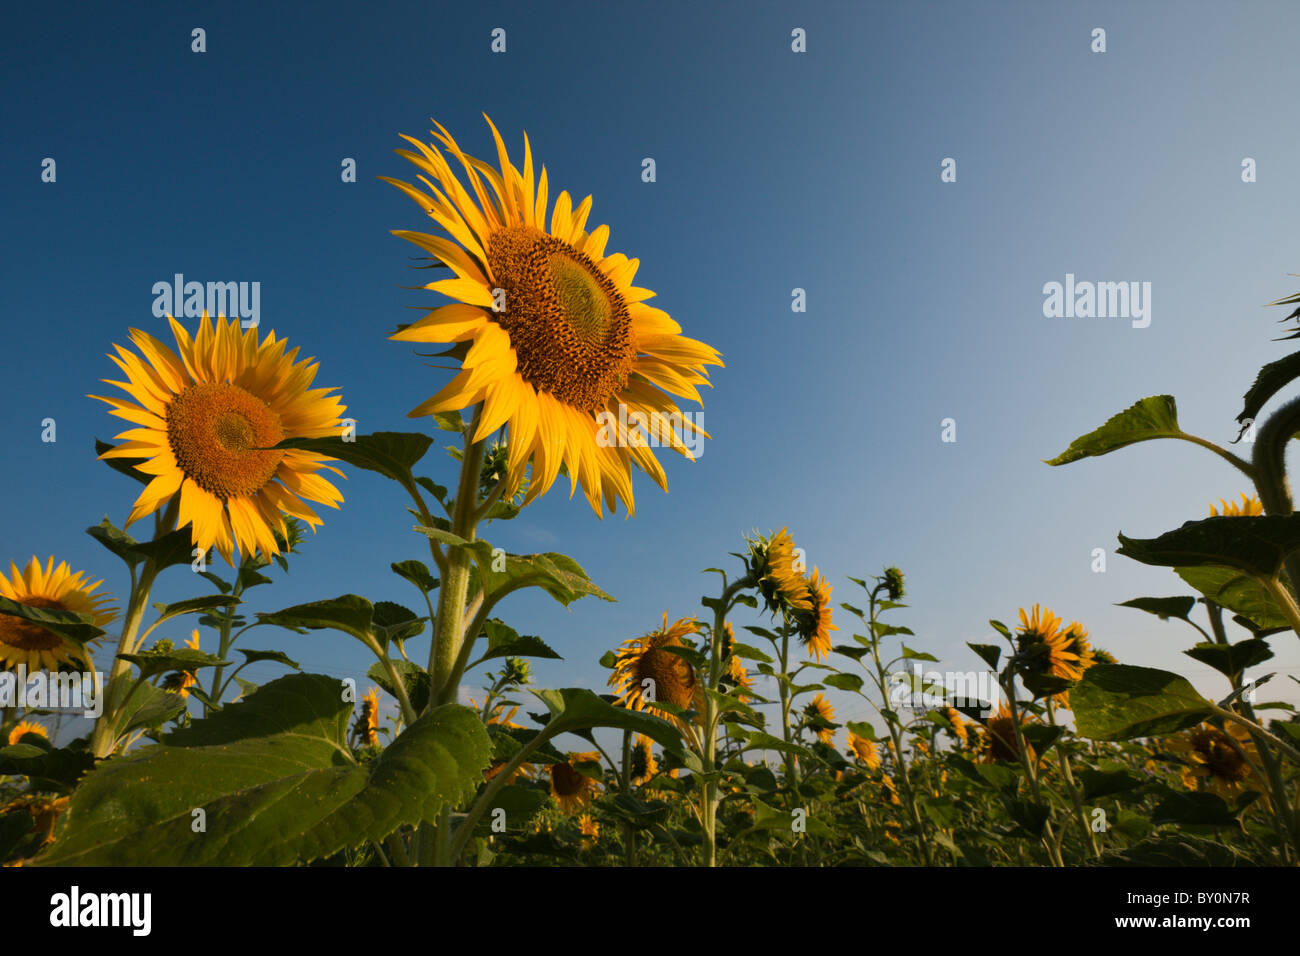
column 780, row 579
column 998, row 740
column 865, row 750
column 555, row 338
column 1250, row 505
column 819, row 709
column 367, row 725
column 644, row 766
column 206, row 420
column 572, row 789
column 815, row 624
column 1219, row 758
column 1047, row 648
column 25, row 727
column 646, row 673
column 959, row 729
column 58, row 589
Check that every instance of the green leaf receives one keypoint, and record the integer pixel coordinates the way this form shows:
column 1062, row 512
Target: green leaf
column 414, row 678
column 151, row 664
column 575, row 708
column 122, row 465
column 116, row 540
column 1237, row 592
column 911, row 655
column 1163, row 608
column 851, row 682
column 63, row 766
column 1148, row 418
column 392, row 454
column 349, row 613
column 990, row 654
column 1272, row 378
column 274, row 775
column 175, row 547
column 73, row 625
column 449, row 421
column 417, row 573
column 1120, row 702
column 1256, row 544
column 277, row 656
column 757, row 740
column 1231, row 659
column 504, row 641
column 393, row 622
column 150, row 707
column 750, row 653
column 1190, row 807
column 1103, row 783
column 1028, row 814
column 206, row 603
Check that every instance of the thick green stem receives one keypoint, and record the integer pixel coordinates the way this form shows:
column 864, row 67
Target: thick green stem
column 709, row 794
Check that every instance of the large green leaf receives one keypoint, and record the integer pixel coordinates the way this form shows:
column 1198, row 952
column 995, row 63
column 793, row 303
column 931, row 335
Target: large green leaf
column 575, row 708
column 206, row 603
column 505, row 641
column 349, row 613
column 1148, row 418
column 392, row 454
column 1237, row 592
column 1120, row 702
column 72, row 625
column 276, row 780
column 1256, row 544
column 1164, row 608
column 1231, row 659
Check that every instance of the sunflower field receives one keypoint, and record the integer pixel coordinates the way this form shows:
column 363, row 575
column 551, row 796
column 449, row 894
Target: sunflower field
column 714, row 741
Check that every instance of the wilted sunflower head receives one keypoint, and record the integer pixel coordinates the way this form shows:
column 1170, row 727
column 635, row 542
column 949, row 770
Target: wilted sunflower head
column 865, row 750
column 206, row 419
column 644, row 766
column 646, row 672
column 816, row 623
column 998, row 739
column 25, row 727
column 570, row 786
column 1250, row 505
column 553, row 337
column 49, row 588
column 817, row 710
column 778, row 567
column 1218, row 758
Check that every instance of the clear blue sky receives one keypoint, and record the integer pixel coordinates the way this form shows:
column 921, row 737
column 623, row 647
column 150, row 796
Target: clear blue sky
column 775, row 170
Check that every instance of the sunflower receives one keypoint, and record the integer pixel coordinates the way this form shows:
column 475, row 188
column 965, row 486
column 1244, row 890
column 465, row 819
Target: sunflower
column 572, row 789
column 1216, row 757
column 206, row 421
column 44, row 809
column 1046, row 648
column 644, row 766
column 865, row 750
column 888, row 791
column 58, row 589
column 815, row 624
column 1250, row 505
column 819, row 708
column 554, row 339
column 367, row 725
column 998, row 741
column 780, row 581
column 737, row 673
column 25, row 727
column 645, row 672
column 959, row 729
column 589, row 829
column 180, row 682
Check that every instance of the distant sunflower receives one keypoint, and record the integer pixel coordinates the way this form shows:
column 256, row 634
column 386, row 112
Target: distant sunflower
column 646, row 673
column 815, row 624
column 644, row 766
column 998, row 741
column 367, row 726
column 572, row 339
column 180, row 682
column 572, row 789
column 888, row 791
column 50, row 588
column 206, row 421
column 1216, row 757
column 959, row 729
column 24, row 727
column 780, row 578
column 589, row 829
column 1250, row 505
column 1049, row 649
column 820, row 707
column 865, row 750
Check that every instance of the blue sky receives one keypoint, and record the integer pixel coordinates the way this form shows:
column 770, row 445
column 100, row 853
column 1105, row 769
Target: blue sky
column 775, row 170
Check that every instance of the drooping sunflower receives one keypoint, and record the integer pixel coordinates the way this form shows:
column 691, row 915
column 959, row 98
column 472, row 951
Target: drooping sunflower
column 572, row 789
column 644, row 766
column 555, row 338
column 998, row 739
column 25, row 727
column 51, row 588
column 819, row 708
column 780, row 577
column 645, row 673
column 206, row 420
column 367, row 725
column 1250, row 505
column 816, row 623
column 865, row 750
column 1216, row 757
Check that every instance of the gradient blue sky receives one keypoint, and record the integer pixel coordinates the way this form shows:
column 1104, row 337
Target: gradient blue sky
column 776, row 170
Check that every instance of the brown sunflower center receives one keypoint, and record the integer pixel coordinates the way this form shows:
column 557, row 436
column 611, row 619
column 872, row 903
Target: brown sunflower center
column 1221, row 758
column 569, row 326
column 220, row 435
column 27, row 636
column 674, row 680
column 568, row 782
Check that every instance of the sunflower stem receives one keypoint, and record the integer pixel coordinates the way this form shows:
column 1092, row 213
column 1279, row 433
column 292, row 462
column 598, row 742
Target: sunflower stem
column 709, row 796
